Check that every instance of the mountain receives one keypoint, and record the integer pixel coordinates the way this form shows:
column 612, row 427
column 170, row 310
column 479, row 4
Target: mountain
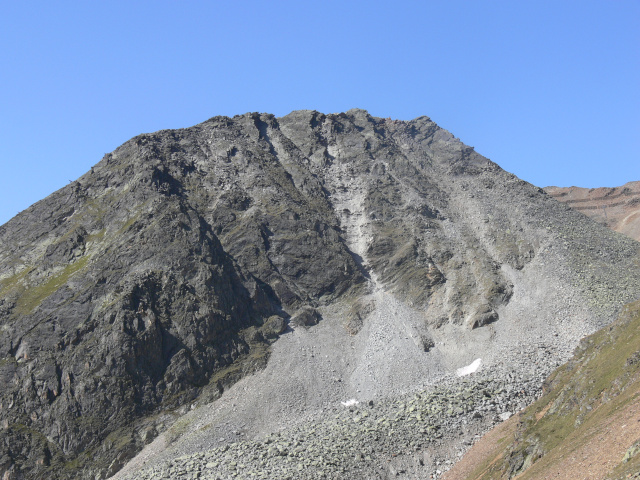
column 275, row 295
column 618, row 208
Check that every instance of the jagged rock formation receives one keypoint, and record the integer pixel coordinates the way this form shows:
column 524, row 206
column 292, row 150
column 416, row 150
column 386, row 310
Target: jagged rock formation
column 165, row 274
column 618, row 208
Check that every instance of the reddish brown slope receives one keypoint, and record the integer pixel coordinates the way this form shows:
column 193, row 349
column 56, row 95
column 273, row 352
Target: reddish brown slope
column 618, row 208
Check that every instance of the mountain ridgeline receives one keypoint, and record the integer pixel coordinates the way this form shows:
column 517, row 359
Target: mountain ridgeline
column 170, row 270
column 618, row 208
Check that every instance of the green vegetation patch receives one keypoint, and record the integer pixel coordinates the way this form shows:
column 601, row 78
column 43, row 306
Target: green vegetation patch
column 34, row 296
column 14, row 281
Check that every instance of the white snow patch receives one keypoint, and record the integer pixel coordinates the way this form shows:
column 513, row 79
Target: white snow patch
column 350, row 403
column 474, row 366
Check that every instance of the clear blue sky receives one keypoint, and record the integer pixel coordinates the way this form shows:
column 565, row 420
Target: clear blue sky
column 550, row 90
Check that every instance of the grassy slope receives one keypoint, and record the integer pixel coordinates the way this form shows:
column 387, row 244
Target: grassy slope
column 585, row 424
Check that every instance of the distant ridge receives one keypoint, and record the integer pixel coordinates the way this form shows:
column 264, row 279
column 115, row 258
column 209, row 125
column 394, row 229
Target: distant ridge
column 618, row 208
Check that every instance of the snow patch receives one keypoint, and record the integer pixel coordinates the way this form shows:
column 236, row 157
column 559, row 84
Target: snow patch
column 474, row 366
column 350, row 403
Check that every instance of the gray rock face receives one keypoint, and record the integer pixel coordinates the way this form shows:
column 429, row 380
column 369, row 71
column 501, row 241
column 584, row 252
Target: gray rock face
column 164, row 274
column 305, row 317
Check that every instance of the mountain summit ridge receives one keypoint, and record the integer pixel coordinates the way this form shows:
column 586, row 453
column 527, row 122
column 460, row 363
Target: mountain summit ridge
column 181, row 261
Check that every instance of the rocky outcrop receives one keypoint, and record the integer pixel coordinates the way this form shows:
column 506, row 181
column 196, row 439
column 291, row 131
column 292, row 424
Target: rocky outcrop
column 165, row 274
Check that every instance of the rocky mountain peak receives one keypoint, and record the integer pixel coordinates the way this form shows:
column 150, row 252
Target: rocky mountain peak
column 189, row 259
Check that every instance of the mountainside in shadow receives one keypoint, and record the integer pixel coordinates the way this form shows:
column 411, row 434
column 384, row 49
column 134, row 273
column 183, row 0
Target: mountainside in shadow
column 618, row 208
column 316, row 257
